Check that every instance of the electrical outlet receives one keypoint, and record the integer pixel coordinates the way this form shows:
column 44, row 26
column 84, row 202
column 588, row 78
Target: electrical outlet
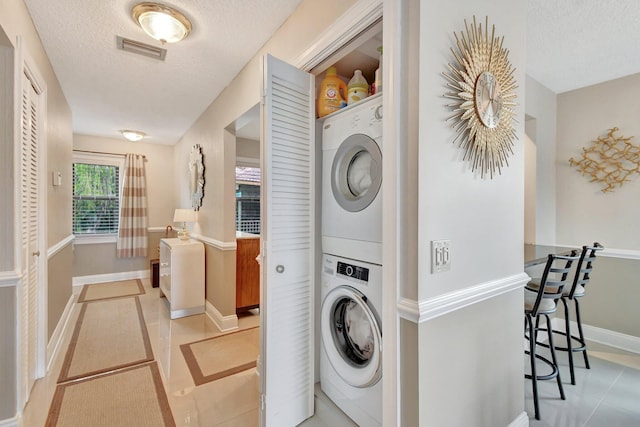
column 440, row 256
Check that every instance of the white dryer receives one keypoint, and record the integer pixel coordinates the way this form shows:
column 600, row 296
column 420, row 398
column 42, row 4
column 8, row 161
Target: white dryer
column 350, row 328
column 351, row 181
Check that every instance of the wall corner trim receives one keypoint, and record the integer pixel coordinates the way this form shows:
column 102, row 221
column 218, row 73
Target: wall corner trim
column 430, row 308
column 224, row 323
column 60, row 246
column 603, row 336
column 10, row 422
column 223, row 246
column 110, row 277
column 53, row 346
column 521, row 420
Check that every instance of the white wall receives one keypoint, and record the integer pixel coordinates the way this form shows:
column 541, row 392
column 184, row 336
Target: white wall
column 540, row 105
column 585, row 214
column 462, row 362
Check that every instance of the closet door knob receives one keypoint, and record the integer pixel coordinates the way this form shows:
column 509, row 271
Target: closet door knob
column 280, row 269
column 36, row 253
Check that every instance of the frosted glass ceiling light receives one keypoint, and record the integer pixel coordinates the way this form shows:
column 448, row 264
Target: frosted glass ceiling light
column 161, row 22
column 133, row 135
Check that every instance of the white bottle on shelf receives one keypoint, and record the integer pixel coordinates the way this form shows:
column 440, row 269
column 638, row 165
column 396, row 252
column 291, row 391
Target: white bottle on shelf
column 358, row 88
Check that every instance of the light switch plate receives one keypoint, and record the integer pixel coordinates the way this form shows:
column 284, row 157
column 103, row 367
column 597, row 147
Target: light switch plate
column 440, row 256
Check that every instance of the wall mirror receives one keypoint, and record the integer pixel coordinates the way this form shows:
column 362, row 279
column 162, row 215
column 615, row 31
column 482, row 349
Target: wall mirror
column 196, row 176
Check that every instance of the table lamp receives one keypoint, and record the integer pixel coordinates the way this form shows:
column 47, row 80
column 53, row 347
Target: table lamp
column 184, row 216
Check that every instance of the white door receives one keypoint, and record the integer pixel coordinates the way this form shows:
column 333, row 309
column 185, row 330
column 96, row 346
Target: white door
column 287, row 267
column 30, row 233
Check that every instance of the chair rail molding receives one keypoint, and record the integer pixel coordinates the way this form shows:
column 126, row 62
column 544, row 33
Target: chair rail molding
column 60, row 246
column 223, row 246
column 430, row 308
column 9, row 279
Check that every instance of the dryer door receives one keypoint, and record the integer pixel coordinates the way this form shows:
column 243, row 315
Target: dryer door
column 356, row 172
column 351, row 337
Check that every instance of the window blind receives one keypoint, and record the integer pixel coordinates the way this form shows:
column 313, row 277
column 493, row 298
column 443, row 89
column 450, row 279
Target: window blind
column 96, row 200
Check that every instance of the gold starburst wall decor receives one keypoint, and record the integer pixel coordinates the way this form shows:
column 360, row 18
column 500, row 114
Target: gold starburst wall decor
column 610, row 160
column 482, row 85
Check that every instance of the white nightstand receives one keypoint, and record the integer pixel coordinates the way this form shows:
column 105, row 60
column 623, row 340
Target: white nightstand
column 182, row 276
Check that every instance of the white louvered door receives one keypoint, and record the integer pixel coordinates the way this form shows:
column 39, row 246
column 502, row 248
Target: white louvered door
column 29, row 226
column 287, row 204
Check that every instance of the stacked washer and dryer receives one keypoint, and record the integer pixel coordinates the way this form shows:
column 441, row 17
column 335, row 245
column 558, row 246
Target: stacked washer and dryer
column 351, row 294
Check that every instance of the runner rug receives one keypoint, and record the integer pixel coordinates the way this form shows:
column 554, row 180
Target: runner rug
column 110, row 334
column 218, row 357
column 133, row 396
column 108, row 290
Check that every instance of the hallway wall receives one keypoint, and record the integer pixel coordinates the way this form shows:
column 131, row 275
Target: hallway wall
column 15, row 22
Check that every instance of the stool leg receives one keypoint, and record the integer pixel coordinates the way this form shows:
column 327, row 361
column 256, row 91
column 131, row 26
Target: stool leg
column 582, row 341
column 568, row 335
column 553, row 356
column 532, row 357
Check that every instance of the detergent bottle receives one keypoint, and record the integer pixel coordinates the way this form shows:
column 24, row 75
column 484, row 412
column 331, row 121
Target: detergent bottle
column 333, row 92
column 358, row 88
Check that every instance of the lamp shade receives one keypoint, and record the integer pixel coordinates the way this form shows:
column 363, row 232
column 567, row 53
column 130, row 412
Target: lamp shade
column 184, row 215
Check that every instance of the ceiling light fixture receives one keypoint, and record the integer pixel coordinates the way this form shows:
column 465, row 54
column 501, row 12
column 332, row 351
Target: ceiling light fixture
column 133, row 135
column 161, row 22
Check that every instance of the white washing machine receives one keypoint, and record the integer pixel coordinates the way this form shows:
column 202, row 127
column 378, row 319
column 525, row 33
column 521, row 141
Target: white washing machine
column 350, row 328
column 351, row 181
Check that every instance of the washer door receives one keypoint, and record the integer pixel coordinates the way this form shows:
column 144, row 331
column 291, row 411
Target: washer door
column 356, row 172
column 351, row 337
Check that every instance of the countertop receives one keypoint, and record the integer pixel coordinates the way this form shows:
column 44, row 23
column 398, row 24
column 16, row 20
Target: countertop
column 537, row 254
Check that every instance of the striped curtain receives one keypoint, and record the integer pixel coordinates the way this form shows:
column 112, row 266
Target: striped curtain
column 132, row 235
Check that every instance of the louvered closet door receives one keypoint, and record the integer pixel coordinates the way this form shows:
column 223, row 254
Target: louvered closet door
column 287, row 203
column 29, row 183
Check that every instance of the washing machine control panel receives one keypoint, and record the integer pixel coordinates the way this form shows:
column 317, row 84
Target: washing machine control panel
column 353, row 271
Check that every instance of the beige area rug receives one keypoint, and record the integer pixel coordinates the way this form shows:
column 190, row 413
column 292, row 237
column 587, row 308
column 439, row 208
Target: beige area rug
column 221, row 356
column 123, row 288
column 110, row 334
column 130, row 397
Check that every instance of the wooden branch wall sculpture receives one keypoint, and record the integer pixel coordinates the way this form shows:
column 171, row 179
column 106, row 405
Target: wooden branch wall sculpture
column 610, row 160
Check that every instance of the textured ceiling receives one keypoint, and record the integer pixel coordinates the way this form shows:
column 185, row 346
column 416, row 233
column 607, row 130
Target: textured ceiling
column 109, row 89
column 577, row 43
column 570, row 44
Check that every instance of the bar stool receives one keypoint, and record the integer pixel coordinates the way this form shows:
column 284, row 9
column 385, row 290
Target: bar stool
column 576, row 291
column 541, row 299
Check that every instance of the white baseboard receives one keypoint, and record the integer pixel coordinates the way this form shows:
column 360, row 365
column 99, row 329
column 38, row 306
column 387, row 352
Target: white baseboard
column 10, row 422
column 53, row 346
column 110, row 277
column 224, row 323
column 521, row 420
column 603, row 336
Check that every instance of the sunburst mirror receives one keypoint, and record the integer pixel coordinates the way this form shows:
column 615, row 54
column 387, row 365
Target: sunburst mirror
column 482, row 86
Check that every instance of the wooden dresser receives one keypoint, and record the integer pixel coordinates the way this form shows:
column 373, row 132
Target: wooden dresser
column 247, row 271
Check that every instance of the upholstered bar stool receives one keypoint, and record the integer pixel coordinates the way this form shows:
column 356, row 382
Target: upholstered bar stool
column 574, row 293
column 541, row 299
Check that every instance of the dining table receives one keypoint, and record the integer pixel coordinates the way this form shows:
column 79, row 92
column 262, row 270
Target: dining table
column 538, row 254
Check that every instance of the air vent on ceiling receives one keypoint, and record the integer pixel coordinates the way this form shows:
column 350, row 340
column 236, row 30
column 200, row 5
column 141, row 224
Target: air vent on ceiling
column 141, row 48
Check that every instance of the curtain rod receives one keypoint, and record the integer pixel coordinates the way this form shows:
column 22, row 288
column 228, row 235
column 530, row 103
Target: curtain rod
column 109, row 154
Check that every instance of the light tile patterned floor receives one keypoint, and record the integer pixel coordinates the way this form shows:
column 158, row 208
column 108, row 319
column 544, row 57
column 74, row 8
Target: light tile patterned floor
column 607, row 395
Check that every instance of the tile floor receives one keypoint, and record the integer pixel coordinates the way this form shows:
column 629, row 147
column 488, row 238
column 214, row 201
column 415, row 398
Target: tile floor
column 228, row 402
column 607, row 395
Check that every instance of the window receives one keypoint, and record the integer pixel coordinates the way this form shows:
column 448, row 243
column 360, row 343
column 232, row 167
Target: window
column 96, row 195
column 248, row 199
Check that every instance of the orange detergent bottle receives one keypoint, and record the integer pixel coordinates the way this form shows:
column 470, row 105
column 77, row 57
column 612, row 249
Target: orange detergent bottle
column 330, row 98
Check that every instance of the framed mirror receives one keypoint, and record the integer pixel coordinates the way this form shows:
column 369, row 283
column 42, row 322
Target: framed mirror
column 196, row 176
